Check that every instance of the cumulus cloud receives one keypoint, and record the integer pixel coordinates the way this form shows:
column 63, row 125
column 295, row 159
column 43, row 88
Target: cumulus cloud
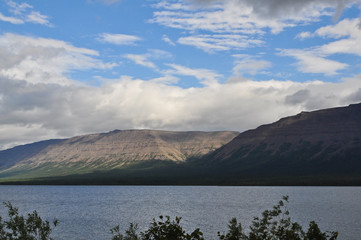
column 118, row 39
column 39, row 101
column 40, row 111
column 297, row 97
column 42, row 60
column 349, row 34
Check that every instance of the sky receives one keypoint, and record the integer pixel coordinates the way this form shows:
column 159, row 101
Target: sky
column 69, row 68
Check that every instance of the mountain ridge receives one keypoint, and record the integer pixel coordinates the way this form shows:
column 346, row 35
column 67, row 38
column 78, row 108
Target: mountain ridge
column 321, row 147
column 327, row 125
column 114, row 149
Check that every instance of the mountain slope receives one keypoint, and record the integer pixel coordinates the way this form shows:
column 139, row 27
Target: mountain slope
column 323, row 144
column 10, row 157
column 107, row 151
column 311, row 148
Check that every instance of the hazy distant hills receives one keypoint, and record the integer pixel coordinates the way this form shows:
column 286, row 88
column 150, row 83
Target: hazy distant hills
column 311, row 148
column 107, row 151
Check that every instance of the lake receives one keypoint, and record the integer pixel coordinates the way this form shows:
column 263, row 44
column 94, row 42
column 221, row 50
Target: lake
column 88, row 212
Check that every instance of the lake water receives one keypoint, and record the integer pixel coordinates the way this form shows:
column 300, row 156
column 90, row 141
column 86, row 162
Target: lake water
column 88, row 212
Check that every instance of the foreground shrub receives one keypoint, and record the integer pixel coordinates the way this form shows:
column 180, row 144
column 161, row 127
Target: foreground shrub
column 274, row 224
column 164, row 229
column 18, row 227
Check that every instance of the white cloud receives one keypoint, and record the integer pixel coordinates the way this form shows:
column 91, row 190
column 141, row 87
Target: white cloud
column 12, row 20
column 40, row 111
column 36, row 17
column 249, row 64
column 18, row 9
column 158, row 54
column 166, row 80
column 212, row 43
column 205, row 76
column 144, row 59
column 118, row 39
column 141, row 60
column 39, row 101
column 350, row 32
column 217, row 18
column 12, row 135
column 23, row 13
column 44, row 60
column 344, row 38
column 172, row 5
column 239, row 15
column 166, row 39
column 314, row 62
column 305, row 10
column 304, row 35
column 221, row 22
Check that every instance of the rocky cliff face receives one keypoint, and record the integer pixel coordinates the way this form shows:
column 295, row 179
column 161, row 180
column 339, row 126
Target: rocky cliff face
column 111, row 150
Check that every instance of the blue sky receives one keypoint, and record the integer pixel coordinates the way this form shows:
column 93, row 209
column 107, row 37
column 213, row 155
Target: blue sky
column 79, row 67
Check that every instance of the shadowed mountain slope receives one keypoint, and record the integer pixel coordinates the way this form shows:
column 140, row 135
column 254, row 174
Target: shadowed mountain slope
column 10, row 157
column 323, row 144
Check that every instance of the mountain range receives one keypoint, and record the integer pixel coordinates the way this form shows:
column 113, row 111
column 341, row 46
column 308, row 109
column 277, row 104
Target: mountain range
column 107, row 151
column 321, row 147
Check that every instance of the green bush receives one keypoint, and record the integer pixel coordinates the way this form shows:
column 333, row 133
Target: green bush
column 274, row 224
column 164, row 229
column 18, row 227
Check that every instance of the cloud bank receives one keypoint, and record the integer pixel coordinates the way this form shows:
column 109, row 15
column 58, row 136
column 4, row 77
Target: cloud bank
column 36, row 107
